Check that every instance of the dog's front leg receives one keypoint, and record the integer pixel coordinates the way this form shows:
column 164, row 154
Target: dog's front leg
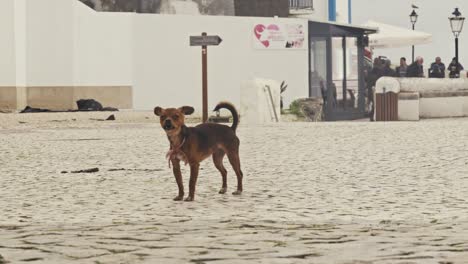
column 178, row 177
column 193, row 181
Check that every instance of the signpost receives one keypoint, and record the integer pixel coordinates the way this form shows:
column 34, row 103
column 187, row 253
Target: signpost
column 205, row 41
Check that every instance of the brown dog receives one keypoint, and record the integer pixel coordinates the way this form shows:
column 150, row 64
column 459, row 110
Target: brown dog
column 194, row 144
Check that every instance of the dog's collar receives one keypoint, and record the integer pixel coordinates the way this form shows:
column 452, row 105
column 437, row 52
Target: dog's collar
column 174, row 151
column 181, row 144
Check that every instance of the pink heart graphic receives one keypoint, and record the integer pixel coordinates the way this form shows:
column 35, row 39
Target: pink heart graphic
column 261, row 32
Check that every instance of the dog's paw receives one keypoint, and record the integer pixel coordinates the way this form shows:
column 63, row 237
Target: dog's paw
column 189, row 199
column 223, row 190
column 179, row 198
column 237, row 192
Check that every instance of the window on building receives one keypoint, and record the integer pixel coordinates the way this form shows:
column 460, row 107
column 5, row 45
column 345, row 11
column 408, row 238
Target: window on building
column 301, row 4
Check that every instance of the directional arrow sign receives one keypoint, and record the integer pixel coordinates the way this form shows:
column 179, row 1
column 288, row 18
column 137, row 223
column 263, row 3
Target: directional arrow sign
column 205, row 40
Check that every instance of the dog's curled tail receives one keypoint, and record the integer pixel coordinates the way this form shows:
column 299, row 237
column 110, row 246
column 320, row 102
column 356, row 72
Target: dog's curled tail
column 232, row 109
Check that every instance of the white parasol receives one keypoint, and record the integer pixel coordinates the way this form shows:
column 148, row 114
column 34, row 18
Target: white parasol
column 393, row 37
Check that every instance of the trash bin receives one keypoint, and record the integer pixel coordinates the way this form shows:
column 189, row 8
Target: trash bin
column 386, row 106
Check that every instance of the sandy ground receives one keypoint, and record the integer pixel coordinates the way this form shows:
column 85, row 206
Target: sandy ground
column 344, row 192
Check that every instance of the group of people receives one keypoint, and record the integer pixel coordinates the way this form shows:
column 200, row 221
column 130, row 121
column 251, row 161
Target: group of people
column 437, row 69
column 382, row 68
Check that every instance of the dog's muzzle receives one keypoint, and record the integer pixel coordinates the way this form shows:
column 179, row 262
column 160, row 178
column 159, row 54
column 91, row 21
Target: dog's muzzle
column 168, row 125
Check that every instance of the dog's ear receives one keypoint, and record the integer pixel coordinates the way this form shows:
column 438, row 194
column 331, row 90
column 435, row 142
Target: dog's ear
column 158, row 110
column 187, row 110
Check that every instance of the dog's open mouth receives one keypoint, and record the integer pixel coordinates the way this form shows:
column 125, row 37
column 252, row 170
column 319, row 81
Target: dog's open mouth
column 168, row 127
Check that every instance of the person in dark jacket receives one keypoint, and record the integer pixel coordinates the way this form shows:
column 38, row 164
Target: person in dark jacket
column 376, row 71
column 387, row 70
column 401, row 70
column 437, row 69
column 416, row 68
column 455, row 68
column 373, row 75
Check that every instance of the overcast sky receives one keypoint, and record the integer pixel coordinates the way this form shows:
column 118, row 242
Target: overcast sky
column 433, row 19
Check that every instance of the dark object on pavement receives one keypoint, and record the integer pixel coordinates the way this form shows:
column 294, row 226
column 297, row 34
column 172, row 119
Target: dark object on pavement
column 110, row 109
column 93, row 105
column 89, row 105
column 218, row 118
column 85, row 171
column 2, row 260
column 83, row 105
column 110, row 118
column 29, row 109
column 123, row 169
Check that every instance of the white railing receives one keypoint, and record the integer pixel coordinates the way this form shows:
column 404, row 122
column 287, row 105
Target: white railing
column 301, row 4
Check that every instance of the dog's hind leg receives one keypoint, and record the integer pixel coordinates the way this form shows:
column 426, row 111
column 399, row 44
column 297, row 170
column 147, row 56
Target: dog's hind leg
column 218, row 162
column 235, row 162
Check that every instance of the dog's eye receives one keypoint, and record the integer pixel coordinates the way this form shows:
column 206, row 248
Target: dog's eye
column 163, row 117
column 175, row 117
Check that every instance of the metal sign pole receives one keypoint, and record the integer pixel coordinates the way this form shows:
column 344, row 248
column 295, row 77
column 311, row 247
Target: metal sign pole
column 205, row 80
column 204, row 41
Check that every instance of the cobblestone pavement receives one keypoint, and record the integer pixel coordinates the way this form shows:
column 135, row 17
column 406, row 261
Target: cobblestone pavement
column 345, row 192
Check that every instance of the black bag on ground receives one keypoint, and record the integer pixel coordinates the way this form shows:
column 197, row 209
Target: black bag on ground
column 29, row 109
column 89, row 105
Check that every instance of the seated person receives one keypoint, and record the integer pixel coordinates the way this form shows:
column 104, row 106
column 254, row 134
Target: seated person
column 401, row 70
column 455, row 68
column 416, row 68
column 437, row 69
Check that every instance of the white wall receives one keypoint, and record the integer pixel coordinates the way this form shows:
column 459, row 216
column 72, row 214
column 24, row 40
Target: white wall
column 20, row 32
column 7, row 44
column 64, row 43
column 342, row 11
column 167, row 71
column 49, row 45
column 438, row 107
column 320, row 11
column 103, row 47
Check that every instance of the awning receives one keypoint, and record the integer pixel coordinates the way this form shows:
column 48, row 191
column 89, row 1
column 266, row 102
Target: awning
column 392, row 36
column 335, row 29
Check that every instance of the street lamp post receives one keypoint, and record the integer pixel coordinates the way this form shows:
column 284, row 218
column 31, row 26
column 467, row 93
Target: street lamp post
column 413, row 19
column 456, row 23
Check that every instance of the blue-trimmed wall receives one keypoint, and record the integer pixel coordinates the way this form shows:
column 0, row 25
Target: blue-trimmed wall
column 332, row 10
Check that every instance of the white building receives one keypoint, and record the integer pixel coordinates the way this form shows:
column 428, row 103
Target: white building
column 324, row 10
column 58, row 51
